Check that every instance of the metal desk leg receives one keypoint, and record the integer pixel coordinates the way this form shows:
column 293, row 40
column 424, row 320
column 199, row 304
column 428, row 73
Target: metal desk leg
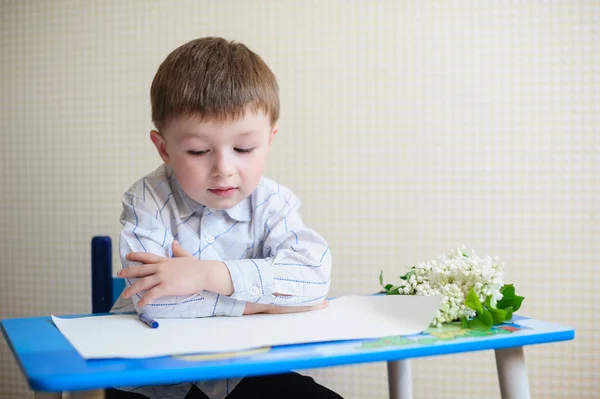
column 512, row 373
column 400, row 379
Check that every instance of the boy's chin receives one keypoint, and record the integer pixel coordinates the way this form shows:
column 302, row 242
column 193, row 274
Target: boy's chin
column 223, row 203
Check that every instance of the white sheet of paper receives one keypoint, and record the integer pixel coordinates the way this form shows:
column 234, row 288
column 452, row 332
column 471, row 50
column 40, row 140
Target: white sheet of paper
column 346, row 318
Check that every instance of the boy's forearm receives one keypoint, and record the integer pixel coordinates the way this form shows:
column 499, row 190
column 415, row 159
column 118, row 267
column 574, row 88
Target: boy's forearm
column 218, row 278
column 286, row 280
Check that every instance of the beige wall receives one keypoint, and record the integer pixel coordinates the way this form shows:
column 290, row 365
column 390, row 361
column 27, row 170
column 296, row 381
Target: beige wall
column 408, row 127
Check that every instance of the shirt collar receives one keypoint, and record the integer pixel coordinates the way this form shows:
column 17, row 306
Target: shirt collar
column 241, row 211
column 187, row 206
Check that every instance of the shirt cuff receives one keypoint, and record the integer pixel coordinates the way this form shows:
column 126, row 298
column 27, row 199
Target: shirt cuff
column 227, row 306
column 251, row 278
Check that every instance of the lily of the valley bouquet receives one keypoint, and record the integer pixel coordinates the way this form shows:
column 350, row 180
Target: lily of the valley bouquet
column 473, row 288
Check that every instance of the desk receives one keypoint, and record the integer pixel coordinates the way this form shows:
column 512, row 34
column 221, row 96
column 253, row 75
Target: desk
column 51, row 365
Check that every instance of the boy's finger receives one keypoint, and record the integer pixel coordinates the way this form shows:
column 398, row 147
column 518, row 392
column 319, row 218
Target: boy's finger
column 138, row 271
column 150, row 296
column 178, row 250
column 297, row 309
column 144, row 257
column 254, row 308
column 142, row 284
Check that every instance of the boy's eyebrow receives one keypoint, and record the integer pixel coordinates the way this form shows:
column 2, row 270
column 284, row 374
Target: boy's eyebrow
column 248, row 133
column 193, row 135
column 202, row 135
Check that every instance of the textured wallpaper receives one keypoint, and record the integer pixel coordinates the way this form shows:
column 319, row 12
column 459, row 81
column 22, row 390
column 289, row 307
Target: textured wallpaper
column 407, row 128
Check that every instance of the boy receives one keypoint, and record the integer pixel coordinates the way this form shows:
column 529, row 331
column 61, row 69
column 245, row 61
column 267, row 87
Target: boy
column 205, row 234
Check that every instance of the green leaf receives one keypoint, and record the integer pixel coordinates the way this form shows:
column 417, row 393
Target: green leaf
column 488, row 302
column 476, row 324
column 388, row 287
column 483, row 321
column 407, row 275
column 509, row 313
column 513, row 302
column 473, row 302
column 518, row 300
column 508, row 290
column 394, row 291
column 509, row 298
column 381, row 278
column 464, row 323
column 487, row 318
column 498, row 315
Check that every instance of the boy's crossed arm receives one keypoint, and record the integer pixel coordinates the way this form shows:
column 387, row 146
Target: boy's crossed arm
column 160, row 276
column 291, row 277
column 181, row 275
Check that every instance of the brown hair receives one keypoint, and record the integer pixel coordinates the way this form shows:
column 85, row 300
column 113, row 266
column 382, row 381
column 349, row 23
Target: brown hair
column 213, row 78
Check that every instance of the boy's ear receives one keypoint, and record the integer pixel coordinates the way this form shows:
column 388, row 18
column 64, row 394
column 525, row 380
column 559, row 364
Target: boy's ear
column 161, row 146
column 272, row 134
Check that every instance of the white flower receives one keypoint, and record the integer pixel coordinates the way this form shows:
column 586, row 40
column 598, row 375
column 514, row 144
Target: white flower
column 452, row 275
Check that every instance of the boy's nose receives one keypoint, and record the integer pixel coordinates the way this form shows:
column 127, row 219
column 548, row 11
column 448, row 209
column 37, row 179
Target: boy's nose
column 223, row 166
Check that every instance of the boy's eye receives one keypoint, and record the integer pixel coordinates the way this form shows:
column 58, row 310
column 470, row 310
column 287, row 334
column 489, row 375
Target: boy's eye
column 243, row 150
column 197, row 153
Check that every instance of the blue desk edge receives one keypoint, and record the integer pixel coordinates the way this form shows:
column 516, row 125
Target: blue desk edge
column 238, row 370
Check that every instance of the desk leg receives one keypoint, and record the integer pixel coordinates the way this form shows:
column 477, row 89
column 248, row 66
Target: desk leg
column 512, row 373
column 95, row 394
column 400, row 379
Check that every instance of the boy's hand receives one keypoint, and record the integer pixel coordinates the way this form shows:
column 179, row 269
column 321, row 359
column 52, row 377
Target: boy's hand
column 254, row 308
column 181, row 275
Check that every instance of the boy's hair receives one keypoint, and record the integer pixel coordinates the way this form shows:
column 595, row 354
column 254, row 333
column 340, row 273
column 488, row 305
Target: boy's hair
column 213, row 78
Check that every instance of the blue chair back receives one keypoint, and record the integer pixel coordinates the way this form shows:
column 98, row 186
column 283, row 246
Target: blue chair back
column 105, row 288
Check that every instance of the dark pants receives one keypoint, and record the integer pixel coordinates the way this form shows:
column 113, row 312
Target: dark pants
column 289, row 386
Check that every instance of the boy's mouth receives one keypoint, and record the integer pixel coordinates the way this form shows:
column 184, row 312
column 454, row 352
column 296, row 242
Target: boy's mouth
column 223, row 191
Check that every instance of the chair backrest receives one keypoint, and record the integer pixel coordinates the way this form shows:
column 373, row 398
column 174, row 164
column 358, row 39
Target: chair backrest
column 105, row 288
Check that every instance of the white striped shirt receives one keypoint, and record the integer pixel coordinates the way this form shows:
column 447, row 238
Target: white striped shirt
column 262, row 241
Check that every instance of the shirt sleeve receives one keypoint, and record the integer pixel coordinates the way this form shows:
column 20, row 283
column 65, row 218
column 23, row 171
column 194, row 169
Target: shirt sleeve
column 296, row 266
column 144, row 231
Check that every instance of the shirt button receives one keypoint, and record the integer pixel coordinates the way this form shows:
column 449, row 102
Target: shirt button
column 254, row 291
column 210, row 239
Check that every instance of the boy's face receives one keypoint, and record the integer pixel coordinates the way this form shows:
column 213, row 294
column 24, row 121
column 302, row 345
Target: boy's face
column 217, row 164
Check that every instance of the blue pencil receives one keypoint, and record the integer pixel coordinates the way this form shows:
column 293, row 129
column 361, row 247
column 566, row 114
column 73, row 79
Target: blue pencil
column 149, row 321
